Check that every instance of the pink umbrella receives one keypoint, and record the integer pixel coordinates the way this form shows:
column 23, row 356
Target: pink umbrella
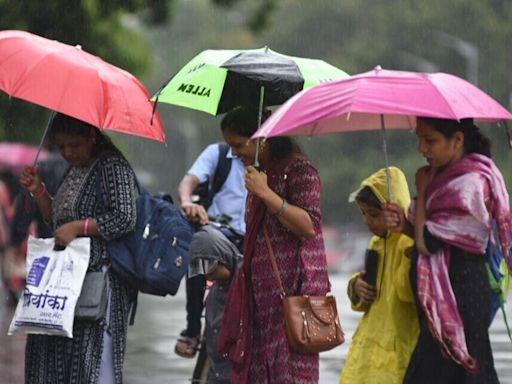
column 15, row 156
column 381, row 98
column 69, row 80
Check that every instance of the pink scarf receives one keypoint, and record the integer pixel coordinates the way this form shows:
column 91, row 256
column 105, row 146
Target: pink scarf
column 462, row 202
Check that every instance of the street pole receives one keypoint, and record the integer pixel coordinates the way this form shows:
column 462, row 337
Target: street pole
column 419, row 63
column 464, row 48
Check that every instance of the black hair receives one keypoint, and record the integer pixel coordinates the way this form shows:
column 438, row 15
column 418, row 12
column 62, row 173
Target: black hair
column 64, row 124
column 366, row 196
column 243, row 121
column 474, row 140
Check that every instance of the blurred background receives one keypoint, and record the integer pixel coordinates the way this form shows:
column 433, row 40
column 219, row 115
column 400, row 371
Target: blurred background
column 153, row 39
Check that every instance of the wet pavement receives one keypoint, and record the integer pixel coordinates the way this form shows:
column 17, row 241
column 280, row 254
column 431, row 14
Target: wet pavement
column 150, row 357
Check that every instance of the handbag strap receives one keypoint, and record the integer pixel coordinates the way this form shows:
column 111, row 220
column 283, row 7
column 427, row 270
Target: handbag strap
column 274, row 263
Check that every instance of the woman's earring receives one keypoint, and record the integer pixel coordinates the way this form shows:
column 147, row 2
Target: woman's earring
column 263, row 143
column 247, row 142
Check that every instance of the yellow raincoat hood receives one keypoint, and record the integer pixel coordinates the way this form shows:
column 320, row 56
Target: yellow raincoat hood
column 379, row 185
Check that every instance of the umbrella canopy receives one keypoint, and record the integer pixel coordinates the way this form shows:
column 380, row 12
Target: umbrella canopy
column 381, row 99
column 15, row 156
column 69, row 80
column 216, row 81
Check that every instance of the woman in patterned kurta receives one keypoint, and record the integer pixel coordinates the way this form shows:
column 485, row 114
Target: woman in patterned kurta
column 286, row 199
column 92, row 157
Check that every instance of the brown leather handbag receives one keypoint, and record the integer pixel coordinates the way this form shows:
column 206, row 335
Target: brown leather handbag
column 312, row 322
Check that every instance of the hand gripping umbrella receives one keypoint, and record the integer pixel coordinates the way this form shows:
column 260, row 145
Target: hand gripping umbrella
column 215, row 81
column 69, row 80
column 381, row 99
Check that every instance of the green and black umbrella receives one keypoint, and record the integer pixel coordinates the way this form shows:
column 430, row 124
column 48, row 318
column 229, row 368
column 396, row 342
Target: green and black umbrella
column 215, row 81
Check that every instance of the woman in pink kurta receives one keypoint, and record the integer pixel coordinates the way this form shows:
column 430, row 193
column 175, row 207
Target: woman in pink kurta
column 285, row 197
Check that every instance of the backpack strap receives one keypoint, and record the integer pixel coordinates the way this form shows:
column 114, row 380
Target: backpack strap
column 222, row 170
column 496, row 288
column 103, row 201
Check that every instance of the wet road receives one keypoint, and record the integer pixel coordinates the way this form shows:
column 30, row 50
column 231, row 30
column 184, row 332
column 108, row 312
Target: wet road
column 150, row 357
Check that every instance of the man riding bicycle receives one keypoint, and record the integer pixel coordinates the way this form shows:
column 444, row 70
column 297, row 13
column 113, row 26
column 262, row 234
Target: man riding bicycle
column 227, row 204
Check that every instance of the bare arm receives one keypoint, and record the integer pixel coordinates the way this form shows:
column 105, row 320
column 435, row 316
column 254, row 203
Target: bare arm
column 32, row 182
column 194, row 212
column 423, row 176
column 292, row 217
column 66, row 233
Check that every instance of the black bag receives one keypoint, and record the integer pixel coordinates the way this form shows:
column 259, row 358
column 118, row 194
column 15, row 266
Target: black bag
column 93, row 300
column 371, row 262
column 204, row 192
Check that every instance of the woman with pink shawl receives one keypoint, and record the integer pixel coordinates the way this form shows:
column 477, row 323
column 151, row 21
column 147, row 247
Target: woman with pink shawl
column 459, row 196
column 284, row 198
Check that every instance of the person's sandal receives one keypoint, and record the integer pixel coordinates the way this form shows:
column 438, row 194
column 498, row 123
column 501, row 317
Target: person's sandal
column 186, row 346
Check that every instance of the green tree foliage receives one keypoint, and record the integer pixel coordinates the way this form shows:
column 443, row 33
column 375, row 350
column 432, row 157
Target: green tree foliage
column 98, row 26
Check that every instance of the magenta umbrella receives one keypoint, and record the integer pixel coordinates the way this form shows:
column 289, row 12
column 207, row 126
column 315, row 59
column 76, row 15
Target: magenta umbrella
column 381, row 99
column 15, row 156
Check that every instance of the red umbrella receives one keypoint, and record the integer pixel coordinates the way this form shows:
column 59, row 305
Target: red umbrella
column 69, row 80
column 14, row 156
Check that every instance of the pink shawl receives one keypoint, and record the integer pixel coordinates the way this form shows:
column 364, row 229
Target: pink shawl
column 462, row 202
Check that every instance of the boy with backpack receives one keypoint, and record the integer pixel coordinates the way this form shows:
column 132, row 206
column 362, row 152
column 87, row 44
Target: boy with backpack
column 212, row 188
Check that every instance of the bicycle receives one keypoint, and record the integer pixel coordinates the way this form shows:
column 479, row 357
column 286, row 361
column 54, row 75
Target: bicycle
column 203, row 363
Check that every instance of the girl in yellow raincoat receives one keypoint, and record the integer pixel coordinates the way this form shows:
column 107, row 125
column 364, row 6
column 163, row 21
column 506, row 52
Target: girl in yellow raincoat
column 387, row 333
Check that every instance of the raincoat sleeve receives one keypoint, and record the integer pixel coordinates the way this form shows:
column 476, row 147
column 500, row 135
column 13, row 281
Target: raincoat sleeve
column 117, row 186
column 355, row 302
column 402, row 279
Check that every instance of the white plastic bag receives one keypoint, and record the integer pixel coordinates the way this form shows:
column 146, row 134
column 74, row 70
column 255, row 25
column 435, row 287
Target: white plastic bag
column 54, row 281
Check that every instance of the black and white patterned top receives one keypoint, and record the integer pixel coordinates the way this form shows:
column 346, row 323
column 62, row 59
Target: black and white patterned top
column 59, row 360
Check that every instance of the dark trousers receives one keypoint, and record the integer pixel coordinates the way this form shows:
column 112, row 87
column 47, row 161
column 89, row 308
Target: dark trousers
column 195, row 296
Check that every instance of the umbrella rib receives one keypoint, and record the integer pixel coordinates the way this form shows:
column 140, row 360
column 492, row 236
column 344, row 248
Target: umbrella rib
column 454, row 115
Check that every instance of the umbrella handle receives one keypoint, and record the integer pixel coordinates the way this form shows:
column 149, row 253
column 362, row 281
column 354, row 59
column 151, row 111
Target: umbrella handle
column 507, row 132
column 386, row 160
column 260, row 113
column 154, row 106
column 50, row 119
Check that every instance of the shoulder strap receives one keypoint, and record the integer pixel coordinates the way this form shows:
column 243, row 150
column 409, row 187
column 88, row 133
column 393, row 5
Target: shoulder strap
column 222, row 169
column 101, row 198
column 274, row 263
column 273, row 260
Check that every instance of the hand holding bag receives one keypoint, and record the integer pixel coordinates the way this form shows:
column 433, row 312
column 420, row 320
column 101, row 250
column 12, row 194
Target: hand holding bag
column 312, row 322
column 54, row 281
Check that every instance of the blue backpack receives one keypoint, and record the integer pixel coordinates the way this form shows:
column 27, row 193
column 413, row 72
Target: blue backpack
column 154, row 257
